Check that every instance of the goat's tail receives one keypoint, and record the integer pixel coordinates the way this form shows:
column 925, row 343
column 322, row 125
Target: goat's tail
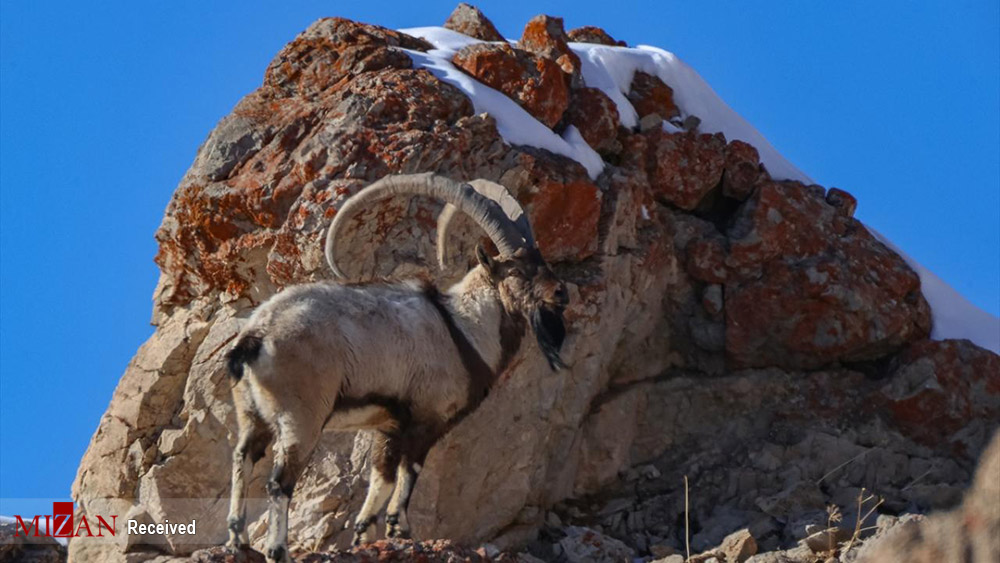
column 246, row 350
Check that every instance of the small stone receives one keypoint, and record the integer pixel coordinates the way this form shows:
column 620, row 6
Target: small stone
column 589, row 545
column 553, row 520
column 648, row 94
column 662, row 550
column 649, row 471
column 650, row 121
column 843, row 201
column 593, row 34
column 823, row 540
column 711, row 299
column 739, row 546
column 691, row 123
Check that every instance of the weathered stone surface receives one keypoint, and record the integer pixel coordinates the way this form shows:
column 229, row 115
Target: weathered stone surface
column 221, row 554
column 596, row 116
column 673, row 288
column 583, row 545
column 593, row 34
column 969, row 533
column 706, row 260
column 545, row 36
column 808, row 286
column 739, row 546
column 536, row 83
column 15, row 546
column 470, row 21
column 743, row 170
column 945, row 393
column 685, row 167
column 843, row 201
column 648, row 95
column 332, row 49
column 564, row 205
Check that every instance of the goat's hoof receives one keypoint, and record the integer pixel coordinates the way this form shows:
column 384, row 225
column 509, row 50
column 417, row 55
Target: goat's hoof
column 238, row 542
column 393, row 529
column 398, row 533
column 361, row 531
column 278, row 554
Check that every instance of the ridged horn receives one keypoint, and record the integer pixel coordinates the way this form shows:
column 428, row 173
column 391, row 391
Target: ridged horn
column 496, row 192
column 487, row 213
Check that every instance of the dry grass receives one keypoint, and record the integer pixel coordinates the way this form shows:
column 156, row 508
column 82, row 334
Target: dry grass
column 687, row 522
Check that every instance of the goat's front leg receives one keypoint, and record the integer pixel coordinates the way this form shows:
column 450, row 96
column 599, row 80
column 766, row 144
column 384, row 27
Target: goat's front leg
column 293, row 447
column 396, row 523
column 385, row 459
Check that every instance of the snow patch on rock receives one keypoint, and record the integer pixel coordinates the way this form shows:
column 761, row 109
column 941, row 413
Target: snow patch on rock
column 611, row 70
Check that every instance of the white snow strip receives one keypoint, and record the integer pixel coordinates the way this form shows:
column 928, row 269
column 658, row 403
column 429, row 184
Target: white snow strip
column 515, row 125
column 953, row 315
column 611, row 70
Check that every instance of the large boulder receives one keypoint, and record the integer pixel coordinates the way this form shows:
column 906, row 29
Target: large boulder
column 808, row 285
column 719, row 320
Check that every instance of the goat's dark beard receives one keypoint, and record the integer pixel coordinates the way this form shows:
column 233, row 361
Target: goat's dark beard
column 550, row 331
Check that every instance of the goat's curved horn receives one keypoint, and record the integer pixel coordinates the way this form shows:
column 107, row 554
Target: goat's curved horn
column 496, row 192
column 487, row 213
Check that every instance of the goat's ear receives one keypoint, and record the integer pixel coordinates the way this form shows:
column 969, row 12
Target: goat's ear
column 487, row 261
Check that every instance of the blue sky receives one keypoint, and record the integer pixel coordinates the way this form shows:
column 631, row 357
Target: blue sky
column 103, row 105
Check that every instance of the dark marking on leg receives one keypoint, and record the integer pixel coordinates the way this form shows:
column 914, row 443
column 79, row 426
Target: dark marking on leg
column 360, row 528
column 386, row 452
column 276, row 553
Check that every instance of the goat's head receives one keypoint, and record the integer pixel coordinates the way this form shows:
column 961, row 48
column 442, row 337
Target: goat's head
column 524, row 281
column 528, row 287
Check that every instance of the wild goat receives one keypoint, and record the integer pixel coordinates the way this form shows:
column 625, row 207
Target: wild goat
column 401, row 359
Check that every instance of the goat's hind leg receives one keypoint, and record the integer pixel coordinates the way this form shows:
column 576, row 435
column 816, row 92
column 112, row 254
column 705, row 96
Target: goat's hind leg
column 396, row 523
column 416, row 441
column 385, row 460
column 252, row 439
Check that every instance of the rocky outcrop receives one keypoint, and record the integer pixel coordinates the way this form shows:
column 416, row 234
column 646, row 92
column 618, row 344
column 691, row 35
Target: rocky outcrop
column 808, row 285
column 468, row 20
column 536, row 83
column 746, row 332
column 545, row 37
column 969, row 533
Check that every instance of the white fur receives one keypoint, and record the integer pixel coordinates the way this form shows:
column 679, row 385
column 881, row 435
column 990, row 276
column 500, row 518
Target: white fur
column 324, row 341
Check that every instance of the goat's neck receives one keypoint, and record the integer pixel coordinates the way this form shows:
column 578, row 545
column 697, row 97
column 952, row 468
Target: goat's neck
column 479, row 314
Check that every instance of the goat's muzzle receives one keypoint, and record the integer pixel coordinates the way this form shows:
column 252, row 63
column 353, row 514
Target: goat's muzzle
column 550, row 330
